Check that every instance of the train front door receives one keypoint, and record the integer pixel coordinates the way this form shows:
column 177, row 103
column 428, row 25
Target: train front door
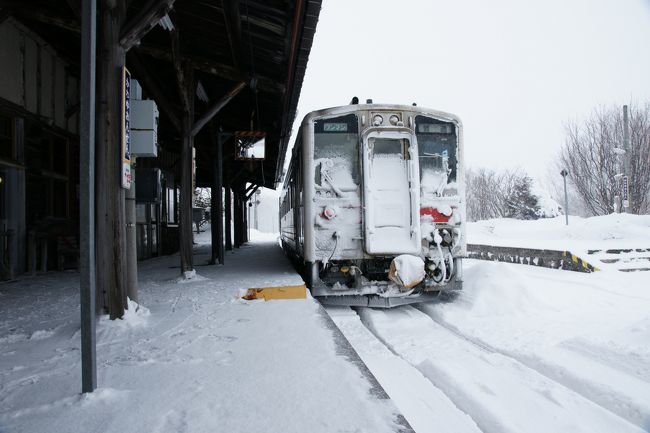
column 391, row 194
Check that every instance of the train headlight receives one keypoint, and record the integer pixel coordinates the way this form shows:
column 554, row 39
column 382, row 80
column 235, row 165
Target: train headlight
column 329, row 213
column 393, row 119
column 377, row 120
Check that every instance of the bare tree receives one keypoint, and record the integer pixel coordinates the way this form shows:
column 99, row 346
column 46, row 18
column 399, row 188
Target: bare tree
column 482, row 186
column 589, row 154
column 504, row 194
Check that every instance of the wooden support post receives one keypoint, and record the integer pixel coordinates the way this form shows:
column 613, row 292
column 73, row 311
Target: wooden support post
column 228, row 219
column 217, row 199
column 245, row 209
column 185, row 228
column 185, row 79
column 111, row 222
column 87, row 283
column 237, row 215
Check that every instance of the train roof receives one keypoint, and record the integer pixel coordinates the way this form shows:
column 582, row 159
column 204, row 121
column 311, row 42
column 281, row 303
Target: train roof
column 351, row 108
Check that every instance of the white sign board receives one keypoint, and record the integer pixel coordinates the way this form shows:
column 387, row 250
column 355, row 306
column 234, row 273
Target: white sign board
column 125, row 153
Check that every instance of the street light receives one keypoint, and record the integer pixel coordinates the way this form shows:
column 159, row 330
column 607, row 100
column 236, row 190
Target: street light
column 564, row 174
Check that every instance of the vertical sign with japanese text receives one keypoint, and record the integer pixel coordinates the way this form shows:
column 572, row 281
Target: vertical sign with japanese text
column 626, row 192
column 125, row 153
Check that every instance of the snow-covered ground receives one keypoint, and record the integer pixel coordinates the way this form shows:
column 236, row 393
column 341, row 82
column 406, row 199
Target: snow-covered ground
column 581, row 235
column 521, row 348
column 192, row 358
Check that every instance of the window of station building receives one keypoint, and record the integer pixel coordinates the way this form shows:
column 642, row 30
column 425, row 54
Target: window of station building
column 6, row 138
column 437, row 147
column 336, row 151
column 48, row 167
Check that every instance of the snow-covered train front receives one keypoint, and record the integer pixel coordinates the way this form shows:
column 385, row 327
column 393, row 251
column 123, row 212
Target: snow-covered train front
column 373, row 206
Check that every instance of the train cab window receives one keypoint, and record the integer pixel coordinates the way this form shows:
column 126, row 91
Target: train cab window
column 437, row 148
column 390, row 146
column 336, row 152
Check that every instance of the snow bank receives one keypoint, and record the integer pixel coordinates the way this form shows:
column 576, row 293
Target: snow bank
column 589, row 332
column 582, row 234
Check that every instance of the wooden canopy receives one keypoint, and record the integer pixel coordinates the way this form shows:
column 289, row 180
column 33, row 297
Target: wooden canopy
column 248, row 58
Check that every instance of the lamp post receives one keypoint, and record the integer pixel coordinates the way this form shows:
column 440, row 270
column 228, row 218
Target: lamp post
column 564, row 174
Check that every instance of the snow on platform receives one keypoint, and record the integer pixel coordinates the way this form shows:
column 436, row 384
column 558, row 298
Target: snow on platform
column 588, row 238
column 192, row 358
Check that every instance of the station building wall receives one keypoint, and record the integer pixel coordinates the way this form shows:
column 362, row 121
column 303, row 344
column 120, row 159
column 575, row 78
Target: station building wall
column 39, row 122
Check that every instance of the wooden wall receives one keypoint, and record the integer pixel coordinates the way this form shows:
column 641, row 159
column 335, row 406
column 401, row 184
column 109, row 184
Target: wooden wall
column 35, row 78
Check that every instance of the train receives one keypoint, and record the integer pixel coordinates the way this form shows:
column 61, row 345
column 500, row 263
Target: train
column 372, row 208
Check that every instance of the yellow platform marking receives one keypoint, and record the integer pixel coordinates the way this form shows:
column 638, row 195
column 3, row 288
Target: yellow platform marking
column 282, row 292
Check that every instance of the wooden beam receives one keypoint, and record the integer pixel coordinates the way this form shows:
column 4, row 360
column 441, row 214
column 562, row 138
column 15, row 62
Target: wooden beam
column 233, row 29
column 179, row 68
column 140, row 24
column 75, row 8
column 4, row 14
column 41, row 15
column 199, row 124
column 264, row 84
column 250, row 194
column 149, row 84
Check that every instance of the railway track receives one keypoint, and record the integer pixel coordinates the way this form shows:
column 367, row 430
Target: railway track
column 444, row 380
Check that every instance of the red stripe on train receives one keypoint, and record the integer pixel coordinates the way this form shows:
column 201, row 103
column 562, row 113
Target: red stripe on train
column 433, row 213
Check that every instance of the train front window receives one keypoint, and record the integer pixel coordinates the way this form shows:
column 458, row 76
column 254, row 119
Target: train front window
column 336, row 153
column 390, row 147
column 438, row 152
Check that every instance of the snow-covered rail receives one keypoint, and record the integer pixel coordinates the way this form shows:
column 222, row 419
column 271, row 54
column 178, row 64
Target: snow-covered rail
column 463, row 384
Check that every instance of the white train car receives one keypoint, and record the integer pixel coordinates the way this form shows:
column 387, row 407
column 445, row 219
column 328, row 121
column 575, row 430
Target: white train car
column 373, row 205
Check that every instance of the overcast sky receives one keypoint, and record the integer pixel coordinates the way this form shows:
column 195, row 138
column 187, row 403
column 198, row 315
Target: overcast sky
column 514, row 71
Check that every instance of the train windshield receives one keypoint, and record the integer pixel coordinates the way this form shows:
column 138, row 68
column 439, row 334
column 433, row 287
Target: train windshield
column 438, row 152
column 336, row 153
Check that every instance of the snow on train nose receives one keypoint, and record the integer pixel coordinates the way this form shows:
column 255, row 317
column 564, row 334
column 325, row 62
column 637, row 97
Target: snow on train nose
column 407, row 270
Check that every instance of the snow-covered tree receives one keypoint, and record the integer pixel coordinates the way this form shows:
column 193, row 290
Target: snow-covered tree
column 521, row 203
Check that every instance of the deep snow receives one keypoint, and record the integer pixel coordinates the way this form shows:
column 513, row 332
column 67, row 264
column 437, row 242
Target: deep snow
column 521, row 348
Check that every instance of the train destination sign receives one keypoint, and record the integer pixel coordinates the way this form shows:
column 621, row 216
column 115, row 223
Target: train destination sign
column 335, row 127
column 434, row 128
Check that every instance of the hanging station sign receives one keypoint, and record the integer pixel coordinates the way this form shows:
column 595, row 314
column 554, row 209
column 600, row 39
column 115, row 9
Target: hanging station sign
column 125, row 153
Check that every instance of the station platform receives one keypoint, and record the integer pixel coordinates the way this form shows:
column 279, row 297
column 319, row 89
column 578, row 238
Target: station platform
column 191, row 357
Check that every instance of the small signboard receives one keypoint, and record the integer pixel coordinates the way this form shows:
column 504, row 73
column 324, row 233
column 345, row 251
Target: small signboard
column 126, row 129
column 626, row 192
